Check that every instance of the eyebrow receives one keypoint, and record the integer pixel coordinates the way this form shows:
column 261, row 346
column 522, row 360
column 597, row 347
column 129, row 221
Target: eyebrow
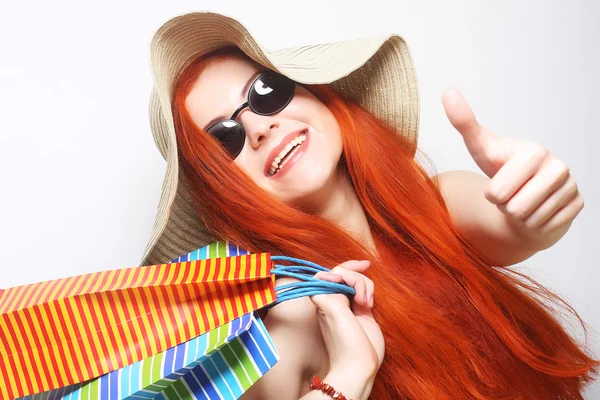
column 242, row 93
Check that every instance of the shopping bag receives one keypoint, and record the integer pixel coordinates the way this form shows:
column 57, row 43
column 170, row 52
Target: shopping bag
column 237, row 362
column 220, row 364
column 59, row 333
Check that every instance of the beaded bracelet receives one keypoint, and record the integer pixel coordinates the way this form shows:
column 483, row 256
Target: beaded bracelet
column 318, row 384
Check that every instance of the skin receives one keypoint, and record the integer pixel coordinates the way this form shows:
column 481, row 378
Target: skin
column 526, row 203
column 315, row 183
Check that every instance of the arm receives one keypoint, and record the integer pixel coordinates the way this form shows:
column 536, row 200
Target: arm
column 526, row 206
column 294, row 332
column 323, row 333
column 481, row 222
column 346, row 383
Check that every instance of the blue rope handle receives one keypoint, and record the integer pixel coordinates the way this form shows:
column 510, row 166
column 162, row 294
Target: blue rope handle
column 309, row 286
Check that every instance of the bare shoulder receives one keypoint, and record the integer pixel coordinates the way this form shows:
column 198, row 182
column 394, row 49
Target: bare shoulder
column 456, row 182
column 463, row 194
column 294, row 329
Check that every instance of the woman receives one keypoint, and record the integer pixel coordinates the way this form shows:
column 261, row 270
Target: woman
column 309, row 173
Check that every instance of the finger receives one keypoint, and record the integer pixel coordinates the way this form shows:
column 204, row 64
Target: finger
column 354, row 280
column 332, row 277
column 558, row 199
column 517, row 170
column 564, row 215
column 356, row 265
column 361, row 310
column 370, row 288
column 460, row 114
column 552, row 175
column 328, row 276
column 482, row 144
column 359, row 266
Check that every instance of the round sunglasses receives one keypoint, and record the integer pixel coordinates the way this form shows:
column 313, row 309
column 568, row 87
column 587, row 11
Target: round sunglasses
column 269, row 93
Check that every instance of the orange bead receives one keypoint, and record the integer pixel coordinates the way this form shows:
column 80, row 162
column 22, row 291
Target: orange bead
column 317, row 384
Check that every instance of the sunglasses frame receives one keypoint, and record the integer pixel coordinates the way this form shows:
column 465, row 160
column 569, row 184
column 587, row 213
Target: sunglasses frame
column 249, row 105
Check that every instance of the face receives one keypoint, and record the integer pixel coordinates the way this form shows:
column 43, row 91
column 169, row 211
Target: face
column 302, row 142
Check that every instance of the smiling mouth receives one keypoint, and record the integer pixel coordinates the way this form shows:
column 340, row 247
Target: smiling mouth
column 286, row 154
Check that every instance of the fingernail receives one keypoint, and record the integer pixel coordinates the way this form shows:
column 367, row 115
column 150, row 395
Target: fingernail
column 371, row 301
column 364, row 261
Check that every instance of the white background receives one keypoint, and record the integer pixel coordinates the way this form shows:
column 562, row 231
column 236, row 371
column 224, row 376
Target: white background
column 81, row 178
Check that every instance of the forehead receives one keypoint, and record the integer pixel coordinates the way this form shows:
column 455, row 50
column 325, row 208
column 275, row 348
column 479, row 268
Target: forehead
column 217, row 89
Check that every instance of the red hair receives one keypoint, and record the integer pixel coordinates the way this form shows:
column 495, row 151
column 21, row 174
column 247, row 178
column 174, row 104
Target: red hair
column 454, row 325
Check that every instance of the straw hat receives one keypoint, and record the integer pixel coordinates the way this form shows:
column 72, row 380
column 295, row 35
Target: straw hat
column 376, row 72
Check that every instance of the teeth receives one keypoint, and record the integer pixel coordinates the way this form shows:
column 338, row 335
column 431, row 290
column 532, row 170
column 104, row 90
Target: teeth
column 275, row 165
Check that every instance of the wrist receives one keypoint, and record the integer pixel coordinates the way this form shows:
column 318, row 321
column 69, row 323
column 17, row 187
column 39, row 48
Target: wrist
column 352, row 385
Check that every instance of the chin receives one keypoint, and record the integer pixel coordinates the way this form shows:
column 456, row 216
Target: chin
column 310, row 189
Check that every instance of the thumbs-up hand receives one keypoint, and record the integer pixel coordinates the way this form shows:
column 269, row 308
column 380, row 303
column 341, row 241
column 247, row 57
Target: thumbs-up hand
column 530, row 185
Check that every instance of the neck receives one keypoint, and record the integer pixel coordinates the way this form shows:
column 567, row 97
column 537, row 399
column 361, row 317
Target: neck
column 338, row 202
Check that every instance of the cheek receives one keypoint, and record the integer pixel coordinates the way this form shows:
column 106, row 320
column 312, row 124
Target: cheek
column 319, row 163
column 242, row 163
column 250, row 167
column 331, row 145
column 325, row 147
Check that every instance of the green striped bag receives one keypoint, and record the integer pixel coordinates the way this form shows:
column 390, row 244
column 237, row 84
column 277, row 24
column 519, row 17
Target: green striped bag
column 220, row 364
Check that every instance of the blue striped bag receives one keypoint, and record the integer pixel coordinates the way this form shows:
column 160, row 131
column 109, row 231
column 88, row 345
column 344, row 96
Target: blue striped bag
column 220, row 364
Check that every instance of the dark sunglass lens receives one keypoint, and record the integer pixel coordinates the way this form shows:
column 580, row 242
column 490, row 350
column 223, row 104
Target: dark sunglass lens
column 271, row 93
column 230, row 134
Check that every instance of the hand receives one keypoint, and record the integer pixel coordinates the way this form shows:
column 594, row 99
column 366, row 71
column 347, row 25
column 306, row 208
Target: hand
column 530, row 185
column 353, row 338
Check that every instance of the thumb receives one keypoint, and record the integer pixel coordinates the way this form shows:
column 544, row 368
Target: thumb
column 484, row 146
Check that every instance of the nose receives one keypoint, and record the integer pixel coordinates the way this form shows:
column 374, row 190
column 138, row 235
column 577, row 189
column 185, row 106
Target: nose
column 258, row 127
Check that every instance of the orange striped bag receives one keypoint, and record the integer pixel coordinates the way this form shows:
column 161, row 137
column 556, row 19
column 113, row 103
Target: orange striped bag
column 66, row 331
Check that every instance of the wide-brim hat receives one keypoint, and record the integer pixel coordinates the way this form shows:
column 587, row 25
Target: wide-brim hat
column 376, row 72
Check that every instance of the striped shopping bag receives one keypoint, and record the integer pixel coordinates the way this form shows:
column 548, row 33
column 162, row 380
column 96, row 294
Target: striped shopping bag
column 220, row 364
column 231, row 359
column 67, row 331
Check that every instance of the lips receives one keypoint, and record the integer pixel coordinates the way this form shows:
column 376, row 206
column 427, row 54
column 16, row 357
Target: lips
column 280, row 146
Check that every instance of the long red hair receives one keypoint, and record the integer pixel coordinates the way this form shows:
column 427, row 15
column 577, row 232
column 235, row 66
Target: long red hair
column 454, row 325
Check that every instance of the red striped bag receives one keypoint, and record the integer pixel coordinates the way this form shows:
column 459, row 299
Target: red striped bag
column 65, row 331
